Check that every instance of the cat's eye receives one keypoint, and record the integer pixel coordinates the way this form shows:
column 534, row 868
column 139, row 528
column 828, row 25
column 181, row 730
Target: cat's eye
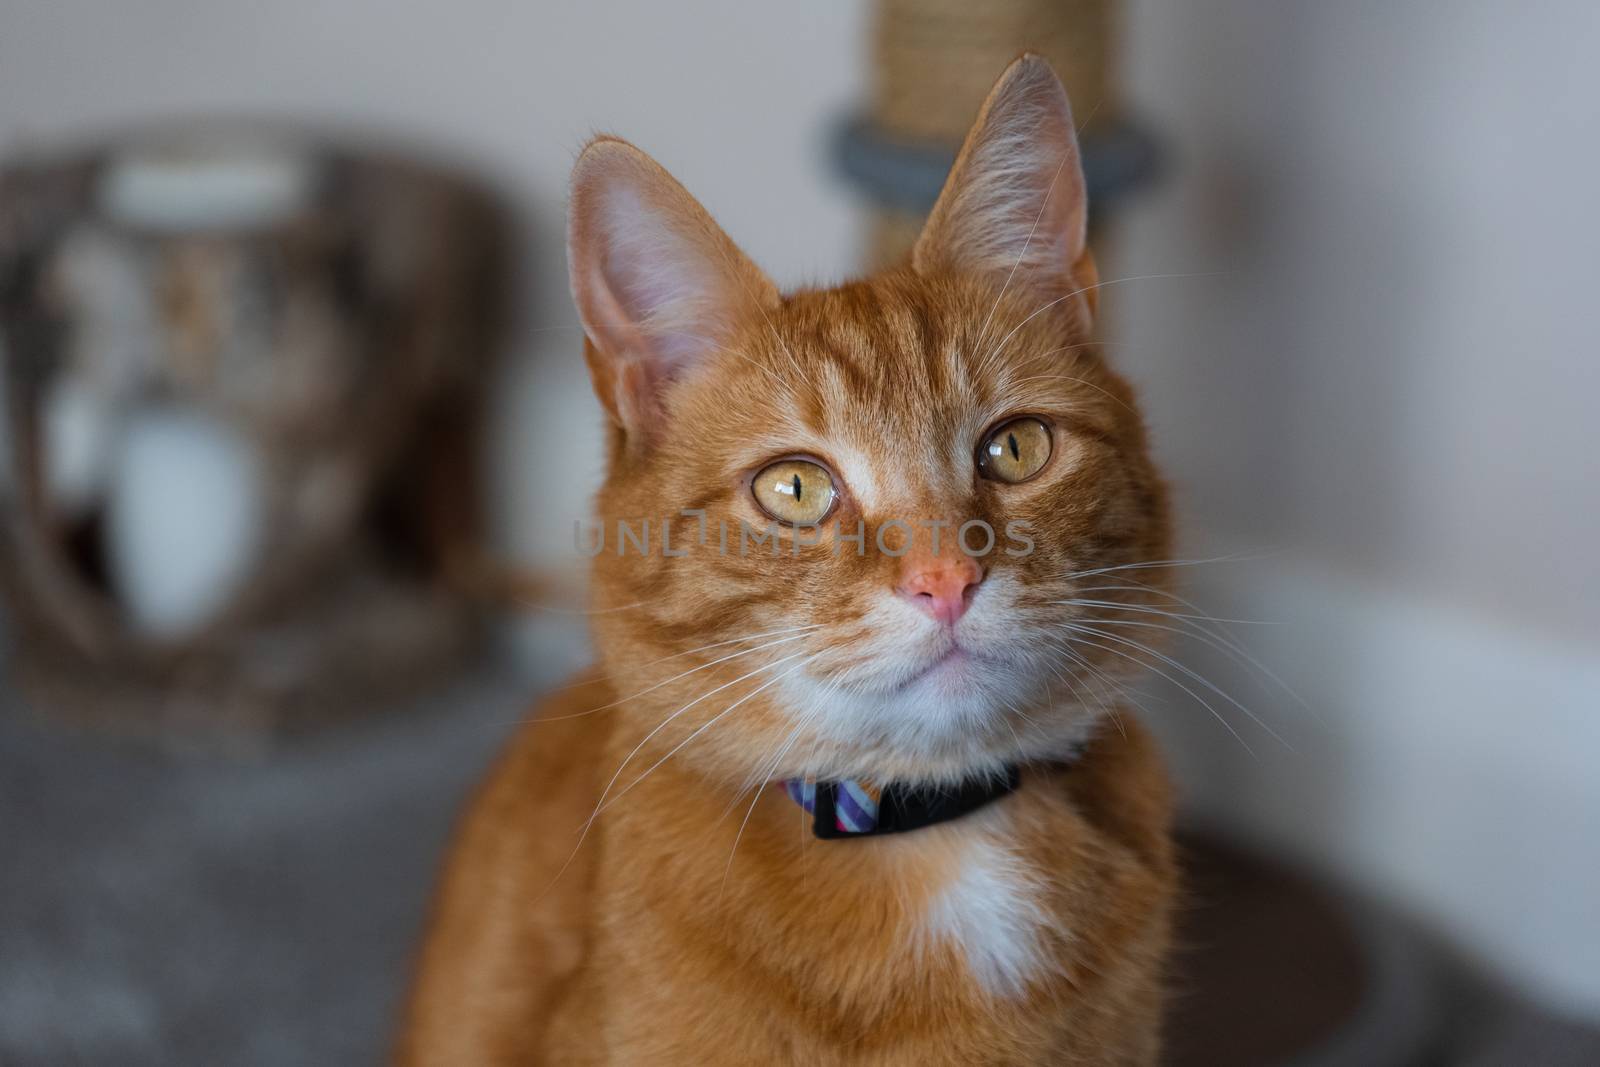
column 795, row 491
column 1015, row 451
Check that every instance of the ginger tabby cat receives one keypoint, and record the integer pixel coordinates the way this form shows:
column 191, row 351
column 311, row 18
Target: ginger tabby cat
column 660, row 869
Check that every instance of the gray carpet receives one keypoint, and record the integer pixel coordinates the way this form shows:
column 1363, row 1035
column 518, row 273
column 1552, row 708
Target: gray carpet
column 161, row 911
column 226, row 912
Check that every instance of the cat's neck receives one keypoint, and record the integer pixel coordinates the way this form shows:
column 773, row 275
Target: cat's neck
column 965, row 899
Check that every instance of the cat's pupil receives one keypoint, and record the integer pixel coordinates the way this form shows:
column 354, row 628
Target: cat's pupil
column 797, row 489
column 1011, row 439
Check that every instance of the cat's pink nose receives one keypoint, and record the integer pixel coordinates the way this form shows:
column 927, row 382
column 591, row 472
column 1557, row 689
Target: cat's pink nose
column 942, row 586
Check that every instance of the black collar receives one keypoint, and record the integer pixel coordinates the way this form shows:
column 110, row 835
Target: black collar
column 902, row 808
column 849, row 809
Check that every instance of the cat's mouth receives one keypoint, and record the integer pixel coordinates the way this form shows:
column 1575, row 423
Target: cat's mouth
column 952, row 665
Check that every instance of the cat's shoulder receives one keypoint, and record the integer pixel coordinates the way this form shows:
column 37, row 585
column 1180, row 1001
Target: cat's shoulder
column 541, row 786
column 554, row 749
column 1121, row 786
column 576, row 710
column 509, row 926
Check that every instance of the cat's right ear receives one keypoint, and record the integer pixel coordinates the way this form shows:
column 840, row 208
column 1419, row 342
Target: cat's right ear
column 657, row 283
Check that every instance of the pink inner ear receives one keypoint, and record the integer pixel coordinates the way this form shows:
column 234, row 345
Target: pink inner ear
column 669, row 297
column 656, row 282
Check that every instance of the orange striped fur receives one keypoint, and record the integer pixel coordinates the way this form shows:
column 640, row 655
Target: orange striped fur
column 630, row 886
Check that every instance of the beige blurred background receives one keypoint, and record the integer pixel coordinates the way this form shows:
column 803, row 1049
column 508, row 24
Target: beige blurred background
column 1373, row 380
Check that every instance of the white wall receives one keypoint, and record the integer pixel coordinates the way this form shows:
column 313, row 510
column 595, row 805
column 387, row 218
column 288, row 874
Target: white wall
column 1399, row 370
column 1393, row 390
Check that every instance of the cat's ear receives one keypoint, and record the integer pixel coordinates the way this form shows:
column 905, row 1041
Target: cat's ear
column 657, row 283
column 1013, row 208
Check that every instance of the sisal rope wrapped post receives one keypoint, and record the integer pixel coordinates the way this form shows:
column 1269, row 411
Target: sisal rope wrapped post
column 933, row 61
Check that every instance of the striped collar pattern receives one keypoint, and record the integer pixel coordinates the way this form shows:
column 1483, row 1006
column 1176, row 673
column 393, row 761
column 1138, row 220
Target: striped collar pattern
column 854, row 809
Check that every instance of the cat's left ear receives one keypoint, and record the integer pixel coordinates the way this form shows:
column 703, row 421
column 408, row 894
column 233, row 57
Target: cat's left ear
column 1014, row 208
column 658, row 284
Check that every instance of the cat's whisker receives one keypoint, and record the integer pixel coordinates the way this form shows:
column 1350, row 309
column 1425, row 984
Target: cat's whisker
column 1190, row 672
column 674, row 678
column 1079, row 346
column 1157, row 670
column 600, row 805
column 769, row 372
column 692, row 651
column 1137, row 587
column 1220, row 642
column 583, row 833
column 664, row 332
column 1119, row 605
column 1215, row 633
column 755, row 302
column 1177, row 665
column 1234, row 557
column 747, row 784
column 749, row 780
column 720, row 348
column 1078, row 696
column 734, row 641
column 552, row 609
column 1114, row 398
column 605, row 804
column 1110, row 687
column 1197, row 616
column 1016, row 738
column 1072, row 690
column 1044, row 204
column 1185, row 626
column 1097, row 285
column 771, row 770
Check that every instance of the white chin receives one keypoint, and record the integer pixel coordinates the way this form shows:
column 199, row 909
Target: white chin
column 952, row 706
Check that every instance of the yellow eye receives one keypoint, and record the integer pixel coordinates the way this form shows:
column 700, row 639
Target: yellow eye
column 795, row 491
column 1016, row 451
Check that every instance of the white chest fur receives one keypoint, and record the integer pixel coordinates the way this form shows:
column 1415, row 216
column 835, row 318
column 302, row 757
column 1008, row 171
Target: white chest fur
column 991, row 911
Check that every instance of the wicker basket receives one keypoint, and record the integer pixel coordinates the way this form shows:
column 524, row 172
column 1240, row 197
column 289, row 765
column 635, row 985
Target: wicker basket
column 330, row 313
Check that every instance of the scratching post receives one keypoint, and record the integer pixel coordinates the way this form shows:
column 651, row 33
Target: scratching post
column 933, row 62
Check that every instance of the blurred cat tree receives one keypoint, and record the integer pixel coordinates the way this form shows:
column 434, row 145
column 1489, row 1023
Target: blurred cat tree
column 932, row 63
column 242, row 382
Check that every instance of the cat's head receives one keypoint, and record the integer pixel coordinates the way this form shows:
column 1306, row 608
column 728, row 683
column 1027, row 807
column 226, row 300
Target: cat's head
column 962, row 389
